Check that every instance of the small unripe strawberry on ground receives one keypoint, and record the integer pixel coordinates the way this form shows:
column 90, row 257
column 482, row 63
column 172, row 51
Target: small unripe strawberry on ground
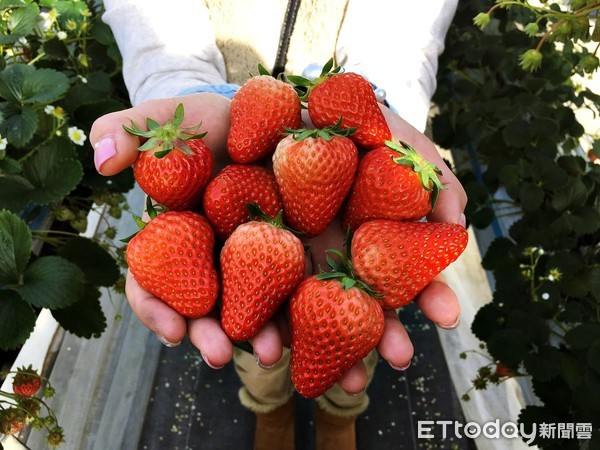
column 335, row 322
column 27, row 381
column 398, row 259
column 172, row 258
column 314, row 170
column 260, row 111
column 174, row 164
column 261, row 265
column 336, row 95
column 228, row 193
column 392, row 182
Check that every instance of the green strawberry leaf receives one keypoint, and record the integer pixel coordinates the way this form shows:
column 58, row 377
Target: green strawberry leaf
column 45, row 281
column 21, row 21
column 15, row 247
column 52, row 173
column 581, row 336
column 17, row 320
column 85, row 317
column 16, row 192
column 19, row 125
column 24, row 84
column 97, row 264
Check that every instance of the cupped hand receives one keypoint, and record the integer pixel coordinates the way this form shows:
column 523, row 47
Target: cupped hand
column 115, row 150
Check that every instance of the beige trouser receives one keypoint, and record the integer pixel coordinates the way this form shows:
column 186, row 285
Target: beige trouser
column 264, row 390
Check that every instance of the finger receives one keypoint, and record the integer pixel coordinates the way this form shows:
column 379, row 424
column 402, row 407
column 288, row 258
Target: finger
column 439, row 303
column 115, row 149
column 267, row 345
column 395, row 345
column 208, row 336
column 169, row 326
column 355, row 380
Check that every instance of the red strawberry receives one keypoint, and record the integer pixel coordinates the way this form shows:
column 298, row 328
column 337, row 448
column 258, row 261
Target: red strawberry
column 335, row 323
column 228, row 193
column 314, row 170
column 260, row 111
column 174, row 165
column 27, row 382
column 349, row 96
column 172, row 257
column 261, row 265
column 398, row 259
column 505, row 371
column 392, row 182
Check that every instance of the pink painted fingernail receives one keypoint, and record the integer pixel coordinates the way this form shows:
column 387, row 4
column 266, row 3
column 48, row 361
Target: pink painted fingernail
column 103, row 151
column 462, row 220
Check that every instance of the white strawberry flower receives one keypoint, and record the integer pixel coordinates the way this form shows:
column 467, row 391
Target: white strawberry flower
column 76, row 135
column 3, row 143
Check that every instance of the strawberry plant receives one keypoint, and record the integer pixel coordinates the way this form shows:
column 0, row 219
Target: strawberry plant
column 524, row 157
column 60, row 69
column 26, row 406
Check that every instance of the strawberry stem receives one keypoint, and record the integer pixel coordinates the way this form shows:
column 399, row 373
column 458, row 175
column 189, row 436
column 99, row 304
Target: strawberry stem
column 427, row 171
column 163, row 138
column 344, row 272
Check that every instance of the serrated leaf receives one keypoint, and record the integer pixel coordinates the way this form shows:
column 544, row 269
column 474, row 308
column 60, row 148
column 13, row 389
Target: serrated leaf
column 582, row 335
column 10, row 165
column 509, row 346
column 543, row 364
column 572, row 195
column 52, row 282
column 22, row 20
column 19, row 126
column 488, row 320
column 531, row 196
column 24, row 84
column 53, row 171
column 15, row 247
column 70, row 10
column 97, row 264
column 16, row 192
column 17, row 320
column 85, row 317
column 585, row 220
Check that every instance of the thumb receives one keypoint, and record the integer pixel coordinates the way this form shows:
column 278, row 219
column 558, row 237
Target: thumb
column 115, row 149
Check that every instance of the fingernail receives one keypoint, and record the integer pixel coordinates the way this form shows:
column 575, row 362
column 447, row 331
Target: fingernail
column 260, row 364
column 103, row 151
column 401, row 368
column 208, row 363
column 164, row 341
column 354, row 394
column 462, row 220
column 450, row 326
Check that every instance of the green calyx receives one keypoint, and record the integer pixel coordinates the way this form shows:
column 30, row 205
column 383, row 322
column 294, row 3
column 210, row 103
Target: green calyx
column 427, row 171
column 257, row 214
column 326, row 133
column 343, row 271
column 164, row 138
column 303, row 86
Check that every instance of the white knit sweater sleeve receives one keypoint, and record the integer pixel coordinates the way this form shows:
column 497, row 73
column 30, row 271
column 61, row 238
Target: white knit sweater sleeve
column 166, row 47
column 396, row 44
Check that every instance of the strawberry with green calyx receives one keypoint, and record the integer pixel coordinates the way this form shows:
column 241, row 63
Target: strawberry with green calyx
column 260, row 111
column 348, row 96
column 398, row 259
column 27, row 381
column 228, row 193
column 174, row 164
column 12, row 420
column 336, row 320
column 172, row 258
column 314, row 170
column 262, row 263
column 392, row 182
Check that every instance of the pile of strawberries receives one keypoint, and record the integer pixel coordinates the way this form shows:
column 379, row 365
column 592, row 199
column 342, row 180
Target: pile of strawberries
column 241, row 234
